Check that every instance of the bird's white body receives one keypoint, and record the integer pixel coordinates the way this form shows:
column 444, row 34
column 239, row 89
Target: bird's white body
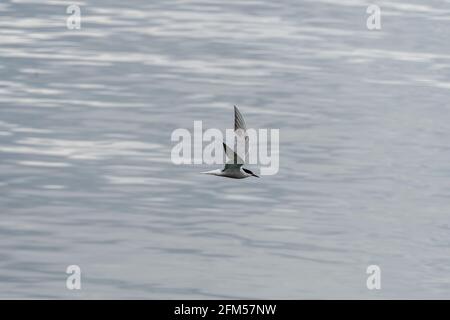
column 234, row 173
column 233, row 168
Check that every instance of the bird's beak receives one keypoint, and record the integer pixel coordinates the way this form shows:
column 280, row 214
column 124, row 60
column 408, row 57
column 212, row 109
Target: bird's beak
column 255, row 175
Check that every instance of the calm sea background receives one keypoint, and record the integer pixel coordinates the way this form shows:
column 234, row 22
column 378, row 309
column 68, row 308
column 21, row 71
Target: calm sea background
column 86, row 178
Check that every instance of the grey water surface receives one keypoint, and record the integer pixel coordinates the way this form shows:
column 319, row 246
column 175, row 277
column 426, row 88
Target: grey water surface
column 86, row 178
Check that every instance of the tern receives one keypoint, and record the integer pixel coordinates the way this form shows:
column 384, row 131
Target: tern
column 233, row 167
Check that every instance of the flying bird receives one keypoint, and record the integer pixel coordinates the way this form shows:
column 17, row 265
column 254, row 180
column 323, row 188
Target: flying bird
column 233, row 167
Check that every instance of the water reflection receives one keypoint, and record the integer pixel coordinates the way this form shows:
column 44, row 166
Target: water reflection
column 85, row 170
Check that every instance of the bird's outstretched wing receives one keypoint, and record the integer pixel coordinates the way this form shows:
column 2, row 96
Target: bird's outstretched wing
column 239, row 122
column 240, row 129
column 234, row 159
